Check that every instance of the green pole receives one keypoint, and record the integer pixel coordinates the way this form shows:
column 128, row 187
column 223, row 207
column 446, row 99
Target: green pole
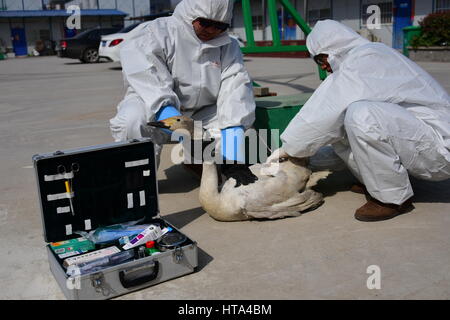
column 322, row 74
column 272, row 6
column 273, row 18
column 303, row 25
column 298, row 19
column 246, row 10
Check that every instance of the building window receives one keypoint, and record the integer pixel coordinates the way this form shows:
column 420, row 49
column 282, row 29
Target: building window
column 441, row 5
column 257, row 22
column 386, row 9
column 318, row 10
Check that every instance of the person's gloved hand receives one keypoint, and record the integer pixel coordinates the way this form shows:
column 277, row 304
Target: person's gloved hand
column 165, row 113
column 233, row 149
column 277, row 155
column 233, row 144
column 240, row 172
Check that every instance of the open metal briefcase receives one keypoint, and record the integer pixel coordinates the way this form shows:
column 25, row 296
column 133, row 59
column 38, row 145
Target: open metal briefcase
column 110, row 184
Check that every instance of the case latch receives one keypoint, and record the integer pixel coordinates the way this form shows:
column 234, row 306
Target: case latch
column 100, row 285
column 178, row 255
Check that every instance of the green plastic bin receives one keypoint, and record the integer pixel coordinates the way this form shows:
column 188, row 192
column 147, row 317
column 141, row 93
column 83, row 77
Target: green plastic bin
column 274, row 113
column 2, row 56
column 408, row 34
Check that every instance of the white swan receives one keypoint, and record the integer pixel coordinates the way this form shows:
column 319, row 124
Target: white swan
column 285, row 193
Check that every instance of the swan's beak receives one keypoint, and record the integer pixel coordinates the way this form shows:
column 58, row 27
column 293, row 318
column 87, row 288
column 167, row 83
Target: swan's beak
column 166, row 123
column 158, row 124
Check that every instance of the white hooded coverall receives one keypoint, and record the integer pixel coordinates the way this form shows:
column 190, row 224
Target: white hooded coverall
column 165, row 64
column 385, row 116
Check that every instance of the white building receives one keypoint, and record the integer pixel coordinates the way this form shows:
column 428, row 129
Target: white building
column 133, row 8
column 352, row 13
column 32, row 20
column 24, row 22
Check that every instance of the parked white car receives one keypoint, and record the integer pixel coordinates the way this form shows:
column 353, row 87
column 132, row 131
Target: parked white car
column 110, row 44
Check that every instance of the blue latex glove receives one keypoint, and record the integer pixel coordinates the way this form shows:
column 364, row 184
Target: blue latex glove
column 233, row 144
column 165, row 113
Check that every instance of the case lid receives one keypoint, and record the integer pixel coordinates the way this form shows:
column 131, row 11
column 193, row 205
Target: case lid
column 83, row 189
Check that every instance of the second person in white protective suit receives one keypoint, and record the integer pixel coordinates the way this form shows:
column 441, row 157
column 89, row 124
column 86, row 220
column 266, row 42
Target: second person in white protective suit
column 187, row 64
column 384, row 115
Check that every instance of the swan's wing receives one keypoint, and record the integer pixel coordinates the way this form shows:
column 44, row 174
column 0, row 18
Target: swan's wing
column 229, row 186
column 256, row 170
column 316, row 177
column 291, row 207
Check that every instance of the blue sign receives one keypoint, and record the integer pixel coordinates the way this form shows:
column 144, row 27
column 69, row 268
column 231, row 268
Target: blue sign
column 402, row 19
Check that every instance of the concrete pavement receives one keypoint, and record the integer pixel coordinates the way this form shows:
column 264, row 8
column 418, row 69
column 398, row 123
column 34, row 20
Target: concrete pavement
column 49, row 103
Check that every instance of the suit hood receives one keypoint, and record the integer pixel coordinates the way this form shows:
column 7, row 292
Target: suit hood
column 217, row 10
column 334, row 39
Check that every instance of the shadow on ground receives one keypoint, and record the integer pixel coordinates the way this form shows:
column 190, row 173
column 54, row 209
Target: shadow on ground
column 203, row 259
column 431, row 191
column 79, row 62
column 337, row 181
column 292, row 77
column 424, row 191
column 183, row 218
column 178, row 180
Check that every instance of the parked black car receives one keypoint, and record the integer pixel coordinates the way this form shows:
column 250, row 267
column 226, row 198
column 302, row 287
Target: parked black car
column 84, row 46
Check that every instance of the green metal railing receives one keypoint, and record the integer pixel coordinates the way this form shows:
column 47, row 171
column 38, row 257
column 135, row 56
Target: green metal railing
column 277, row 46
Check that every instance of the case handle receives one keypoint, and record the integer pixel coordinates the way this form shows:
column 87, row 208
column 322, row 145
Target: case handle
column 128, row 281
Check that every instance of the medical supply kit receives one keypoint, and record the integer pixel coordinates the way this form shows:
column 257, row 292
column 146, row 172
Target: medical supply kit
column 100, row 215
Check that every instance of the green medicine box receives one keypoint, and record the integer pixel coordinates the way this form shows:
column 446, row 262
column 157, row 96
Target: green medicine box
column 274, row 113
column 78, row 244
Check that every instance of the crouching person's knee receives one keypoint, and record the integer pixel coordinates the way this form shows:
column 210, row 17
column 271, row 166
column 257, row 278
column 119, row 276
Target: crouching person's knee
column 118, row 127
column 358, row 114
column 127, row 123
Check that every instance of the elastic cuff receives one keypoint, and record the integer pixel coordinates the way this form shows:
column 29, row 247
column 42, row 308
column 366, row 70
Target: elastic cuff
column 233, row 144
column 167, row 112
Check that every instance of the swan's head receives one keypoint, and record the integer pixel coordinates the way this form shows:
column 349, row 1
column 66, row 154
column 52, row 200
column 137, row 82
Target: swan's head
column 175, row 123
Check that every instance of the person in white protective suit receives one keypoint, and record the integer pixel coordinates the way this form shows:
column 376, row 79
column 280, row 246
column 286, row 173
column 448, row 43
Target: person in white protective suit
column 385, row 117
column 187, row 64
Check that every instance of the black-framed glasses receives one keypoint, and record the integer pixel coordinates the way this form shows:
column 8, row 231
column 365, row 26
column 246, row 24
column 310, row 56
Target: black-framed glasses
column 320, row 59
column 206, row 23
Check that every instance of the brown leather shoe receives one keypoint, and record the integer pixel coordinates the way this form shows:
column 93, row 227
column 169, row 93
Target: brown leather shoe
column 359, row 188
column 375, row 210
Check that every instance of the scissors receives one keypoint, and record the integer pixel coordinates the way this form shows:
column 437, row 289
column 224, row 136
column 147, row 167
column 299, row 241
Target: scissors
column 75, row 167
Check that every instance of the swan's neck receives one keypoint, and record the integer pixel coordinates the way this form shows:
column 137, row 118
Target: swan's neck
column 196, row 132
column 215, row 203
column 209, row 187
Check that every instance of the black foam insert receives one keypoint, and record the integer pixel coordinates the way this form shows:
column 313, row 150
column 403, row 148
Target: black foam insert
column 100, row 187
